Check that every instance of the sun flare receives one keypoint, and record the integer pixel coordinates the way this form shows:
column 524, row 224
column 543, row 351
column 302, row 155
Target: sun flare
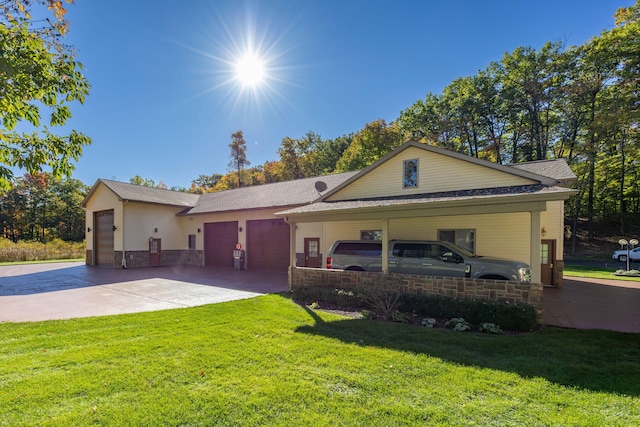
column 250, row 70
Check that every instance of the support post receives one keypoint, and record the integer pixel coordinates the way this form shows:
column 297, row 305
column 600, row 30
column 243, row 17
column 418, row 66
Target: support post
column 385, row 245
column 536, row 274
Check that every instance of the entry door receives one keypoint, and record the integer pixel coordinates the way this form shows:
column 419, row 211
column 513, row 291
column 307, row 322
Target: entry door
column 547, row 256
column 155, row 249
column 312, row 252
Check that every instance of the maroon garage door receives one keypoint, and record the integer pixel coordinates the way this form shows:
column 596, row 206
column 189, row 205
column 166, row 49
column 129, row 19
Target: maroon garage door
column 220, row 239
column 268, row 244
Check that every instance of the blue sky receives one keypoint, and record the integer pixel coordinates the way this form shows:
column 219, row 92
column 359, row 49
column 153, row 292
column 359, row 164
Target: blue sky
column 164, row 100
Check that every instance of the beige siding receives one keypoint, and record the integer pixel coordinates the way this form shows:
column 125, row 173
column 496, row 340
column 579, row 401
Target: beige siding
column 346, row 230
column 141, row 221
column 552, row 220
column 103, row 199
column 497, row 235
column 436, row 173
column 308, row 229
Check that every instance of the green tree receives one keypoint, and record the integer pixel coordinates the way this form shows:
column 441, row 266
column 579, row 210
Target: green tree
column 37, row 72
column 370, row 144
column 238, row 154
column 138, row 180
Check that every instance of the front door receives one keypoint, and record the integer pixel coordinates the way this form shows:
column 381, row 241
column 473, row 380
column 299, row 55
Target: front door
column 154, row 252
column 547, row 256
column 312, row 252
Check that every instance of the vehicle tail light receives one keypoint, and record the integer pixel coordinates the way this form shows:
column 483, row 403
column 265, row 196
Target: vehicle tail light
column 328, row 262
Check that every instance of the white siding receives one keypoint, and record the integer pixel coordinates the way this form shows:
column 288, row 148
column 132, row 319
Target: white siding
column 436, row 173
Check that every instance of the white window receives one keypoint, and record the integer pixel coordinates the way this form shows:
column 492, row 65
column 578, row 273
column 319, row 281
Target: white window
column 410, row 176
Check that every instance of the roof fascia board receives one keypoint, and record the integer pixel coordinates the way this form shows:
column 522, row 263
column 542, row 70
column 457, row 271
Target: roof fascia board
column 396, row 212
column 508, row 203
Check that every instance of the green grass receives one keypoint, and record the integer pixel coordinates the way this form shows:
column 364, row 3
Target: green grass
column 597, row 272
column 268, row 361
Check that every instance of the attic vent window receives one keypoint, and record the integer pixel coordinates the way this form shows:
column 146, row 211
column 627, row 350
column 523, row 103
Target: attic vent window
column 410, row 176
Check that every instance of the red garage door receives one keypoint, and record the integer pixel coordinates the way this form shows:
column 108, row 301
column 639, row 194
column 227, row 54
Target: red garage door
column 220, row 240
column 268, row 244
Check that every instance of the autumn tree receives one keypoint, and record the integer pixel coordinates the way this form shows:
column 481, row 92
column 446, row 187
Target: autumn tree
column 370, row 144
column 40, row 79
column 238, row 154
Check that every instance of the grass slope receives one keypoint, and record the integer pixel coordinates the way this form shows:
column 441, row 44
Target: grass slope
column 268, row 361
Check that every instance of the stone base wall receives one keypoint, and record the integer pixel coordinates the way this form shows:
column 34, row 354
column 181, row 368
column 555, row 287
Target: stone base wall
column 138, row 259
column 489, row 290
column 88, row 257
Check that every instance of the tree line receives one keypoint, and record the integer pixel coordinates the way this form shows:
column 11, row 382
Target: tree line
column 578, row 103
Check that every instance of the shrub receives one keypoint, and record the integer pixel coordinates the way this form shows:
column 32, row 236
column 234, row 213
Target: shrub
column 490, row 328
column 384, row 302
column 458, row 324
column 338, row 297
column 37, row 251
column 513, row 317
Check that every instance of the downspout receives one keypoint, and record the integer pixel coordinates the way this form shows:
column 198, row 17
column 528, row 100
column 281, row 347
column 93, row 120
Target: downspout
column 124, row 258
column 292, row 250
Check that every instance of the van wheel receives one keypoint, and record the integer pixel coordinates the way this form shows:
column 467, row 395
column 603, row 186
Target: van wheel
column 354, row 269
column 493, row 277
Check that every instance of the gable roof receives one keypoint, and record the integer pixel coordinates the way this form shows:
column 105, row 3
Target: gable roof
column 141, row 193
column 278, row 194
column 557, row 169
column 292, row 194
column 521, row 172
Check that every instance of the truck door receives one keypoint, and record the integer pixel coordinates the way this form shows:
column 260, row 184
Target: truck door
column 407, row 258
column 433, row 263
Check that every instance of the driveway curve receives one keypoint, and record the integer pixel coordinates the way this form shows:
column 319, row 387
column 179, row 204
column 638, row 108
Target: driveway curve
column 34, row 292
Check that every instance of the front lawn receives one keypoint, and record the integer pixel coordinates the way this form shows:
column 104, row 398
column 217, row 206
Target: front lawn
column 268, row 361
column 599, row 272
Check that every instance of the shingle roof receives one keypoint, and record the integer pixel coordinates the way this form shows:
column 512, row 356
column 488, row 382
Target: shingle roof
column 557, row 169
column 279, row 194
column 140, row 193
column 448, row 196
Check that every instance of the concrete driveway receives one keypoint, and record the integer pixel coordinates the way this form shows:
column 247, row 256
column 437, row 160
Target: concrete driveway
column 583, row 303
column 66, row 290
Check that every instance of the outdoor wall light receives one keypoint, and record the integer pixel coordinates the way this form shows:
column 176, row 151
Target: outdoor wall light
column 199, row 230
column 240, row 229
column 155, row 230
column 115, row 228
column 88, row 229
column 543, row 231
column 630, row 244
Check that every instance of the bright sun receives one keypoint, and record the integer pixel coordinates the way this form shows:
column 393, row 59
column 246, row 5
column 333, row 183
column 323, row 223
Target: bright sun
column 250, row 70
